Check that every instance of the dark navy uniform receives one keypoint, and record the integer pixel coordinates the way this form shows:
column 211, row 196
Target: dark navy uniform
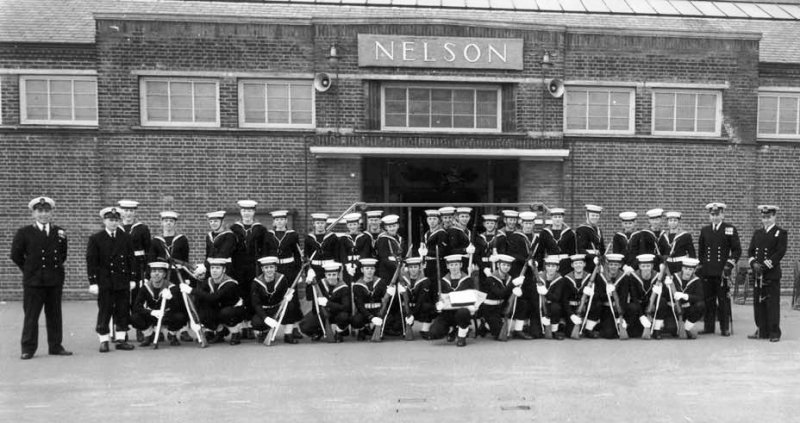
column 219, row 245
column 149, row 299
column 110, row 264
column 338, row 308
column 567, row 246
column 458, row 239
column 674, row 247
column 767, row 248
column 719, row 248
column 266, row 298
column 170, row 247
column 589, row 240
column 643, row 241
column 459, row 317
column 140, row 238
column 327, row 248
column 244, row 268
column 219, row 303
column 620, row 244
column 367, row 297
column 351, row 250
column 694, row 307
column 498, row 290
column 633, row 292
column 423, row 298
column 40, row 255
column 387, row 250
column 433, row 239
column 519, row 247
column 286, row 246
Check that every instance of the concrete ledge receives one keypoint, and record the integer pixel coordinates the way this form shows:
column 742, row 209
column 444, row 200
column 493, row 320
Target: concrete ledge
column 356, row 152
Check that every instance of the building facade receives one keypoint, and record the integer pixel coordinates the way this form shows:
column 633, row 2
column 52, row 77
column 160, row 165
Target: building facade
column 192, row 106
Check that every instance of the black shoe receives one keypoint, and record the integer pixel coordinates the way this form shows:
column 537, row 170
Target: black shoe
column 148, row 340
column 362, row 335
column 104, row 347
column 482, row 331
column 296, row 334
column 261, row 337
column 26, row 356
column 139, row 336
column 211, row 337
column 338, row 337
column 451, row 336
column 236, row 339
column 124, row 346
column 60, row 351
column 518, row 334
column 656, row 334
column 425, row 335
column 591, row 334
column 690, row 335
column 707, row 332
column 774, row 339
column 219, row 337
column 754, row 336
column 725, row 333
column 462, row 341
column 248, row 334
column 316, row 337
column 185, row 337
column 173, row 340
column 559, row 336
column 289, row 339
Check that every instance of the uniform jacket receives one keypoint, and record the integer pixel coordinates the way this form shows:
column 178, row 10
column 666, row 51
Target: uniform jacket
column 353, row 248
column 676, row 245
column 149, row 299
column 368, row 296
column 40, row 256
column 768, row 245
column 589, row 240
column 283, row 245
column 620, row 244
column 176, row 247
column 110, row 263
column 643, row 241
column 717, row 248
column 266, row 297
column 140, row 238
column 422, row 292
column 387, row 250
column 565, row 238
column 220, row 245
column 219, row 295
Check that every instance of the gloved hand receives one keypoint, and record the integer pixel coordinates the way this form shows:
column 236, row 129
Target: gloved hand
column 472, row 309
column 166, row 294
column 596, row 261
column 610, row 288
column 677, row 296
column 423, row 250
column 493, row 258
column 156, row 313
column 199, row 271
column 645, row 322
column 133, row 285
column 185, row 288
column 541, row 289
column 517, row 291
column 487, row 271
column 401, row 289
column 622, row 322
column 377, row 321
column 518, row 280
column 588, row 290
column 768, row 263
column 94, row 289
column 470, row 249
column 662, row 267
column 351, row 269
column 391, row 291
column 684, row 296
column 269, row 321
column 627, row 269
column 727, row 269
column 322, row 301
column 575, row 319
column 545, row 320
column 311, row 276
column 410, row 320
column 657, row 289
column 439, row 306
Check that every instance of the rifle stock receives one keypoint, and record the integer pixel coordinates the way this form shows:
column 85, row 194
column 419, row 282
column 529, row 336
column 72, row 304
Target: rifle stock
column 194, row 317
column 675, row 306
column 287, row 298
column 387, row 300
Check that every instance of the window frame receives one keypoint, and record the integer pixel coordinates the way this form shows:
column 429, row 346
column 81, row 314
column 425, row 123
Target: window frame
column 696, row 92
column 169, row 123
column 776, row 93
column 432, row 86
column 608, row 89
column 276, row 126
column 23, row 100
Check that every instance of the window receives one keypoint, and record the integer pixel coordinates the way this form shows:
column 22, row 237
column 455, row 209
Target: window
column 58, row 100
column 687, row 113
column 779, row 115
column 179, row 102
column 276, row 104
column 441, row 108
column 596, row 110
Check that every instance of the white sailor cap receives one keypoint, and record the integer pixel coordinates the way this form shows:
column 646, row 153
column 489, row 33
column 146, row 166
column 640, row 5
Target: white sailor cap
column 158, row 265
column 331, row 266
column 548, row 222
column 690, row 262
column 247, row 204
column 505, row 258
column 591, row 208
column 552, row 259
column 527, row 216
column 414, row 261
column 279, row 213
column 628, row 215
column 268, row 260
column 109, row 213
column 446, row 211
column 463, row 210
column 557, row 210
column 646, row 258
column 169, row 215
column 42, row 202
column 490, row 217
column 452, row 258
column 715, row 206
column 614, row 258
column 373, row 214
column 371, row 262
column 432, row 213
column 390, row 219
column 510, row 213
column 654, row 213
column 352, row 217
column 218, row 261
column 220, row 214
column 319, row 216
column 128, row 204
column 331, row 220
column 578, row 257
column 672, row 215
column 766, row 208
column 538, row 222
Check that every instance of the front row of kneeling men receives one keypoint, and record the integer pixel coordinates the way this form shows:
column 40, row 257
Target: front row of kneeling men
column 606, row 303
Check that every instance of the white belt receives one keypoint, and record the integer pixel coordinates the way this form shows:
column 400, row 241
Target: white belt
column 430, row 258
column 563, row 256
column 372, row 306
column 676, row 259
column 353, row 258
column 573, row 303
column 286, row 260
column 485, row 259
column 593, row 252
column 493, row 302
column 392, row 258
column 138, row 253
column 318, row 262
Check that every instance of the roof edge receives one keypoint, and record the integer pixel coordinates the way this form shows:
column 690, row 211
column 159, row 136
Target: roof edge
column 175, row 17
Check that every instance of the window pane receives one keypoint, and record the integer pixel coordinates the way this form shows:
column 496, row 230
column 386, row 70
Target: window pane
column 85, row 87
column 180, row 101
column 576, row 109
column 788, row 115
column 704, row 125
column 767, row 115
column 253, row 99
column 440, row 108
column 419, row 107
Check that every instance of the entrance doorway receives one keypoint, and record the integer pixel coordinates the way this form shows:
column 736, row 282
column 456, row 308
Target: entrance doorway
column 438, row 181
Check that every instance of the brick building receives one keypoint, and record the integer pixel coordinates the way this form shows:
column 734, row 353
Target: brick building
column 194, row 105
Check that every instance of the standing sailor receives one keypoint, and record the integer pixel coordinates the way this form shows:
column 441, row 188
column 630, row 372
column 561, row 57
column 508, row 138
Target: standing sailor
column 719, row 248
column 767, row 248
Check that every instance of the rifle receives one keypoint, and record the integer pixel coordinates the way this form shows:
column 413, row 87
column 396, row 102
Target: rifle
column 163, row 308
column 727, row 283
column 511, row 302
column 322, row 315
column 613, row 301
column 675, row 306
column 386, row 303
column 194, row 317
column 578, row 329
column 655, row 300
column 287, row 298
